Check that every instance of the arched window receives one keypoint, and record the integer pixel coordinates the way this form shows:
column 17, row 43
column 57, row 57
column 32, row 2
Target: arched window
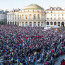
column 51, row 23
column 30, row 16
column 34, row 16
column 58, row 23
column 8, row 23
column 47, row 23
column 30, row 24
column 62, row 24
column 13, row 23
column 25, row 16
column 38, row 23
column 59, row 18
column 17, row 23
column 38, row 16
column 42, row 16
column 15, row 17
column 26, row 23
column 22, row 16
column 41, row 23
column 54, row 23
column 22, row 23
column 34, row 24
column 18, row 17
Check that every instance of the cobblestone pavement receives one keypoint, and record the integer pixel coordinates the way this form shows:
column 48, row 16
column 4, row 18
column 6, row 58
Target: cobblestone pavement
column 59, row 60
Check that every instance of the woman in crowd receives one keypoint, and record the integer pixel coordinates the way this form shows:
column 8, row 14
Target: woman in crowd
column 25, row 45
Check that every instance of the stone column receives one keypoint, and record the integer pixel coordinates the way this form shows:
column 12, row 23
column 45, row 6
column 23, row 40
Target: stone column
column 32, row 17
column 28, row 16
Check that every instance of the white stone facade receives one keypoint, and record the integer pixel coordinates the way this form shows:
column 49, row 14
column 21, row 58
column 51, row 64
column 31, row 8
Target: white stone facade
column 55, row 16
column 26, row 18
column 37, row 17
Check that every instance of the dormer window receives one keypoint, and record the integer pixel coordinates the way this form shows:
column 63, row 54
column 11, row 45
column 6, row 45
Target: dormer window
column 55, row 8
column 51, row 11
column 51, row 8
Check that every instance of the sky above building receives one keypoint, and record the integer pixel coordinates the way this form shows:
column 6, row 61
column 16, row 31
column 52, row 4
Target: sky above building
column 14, row 4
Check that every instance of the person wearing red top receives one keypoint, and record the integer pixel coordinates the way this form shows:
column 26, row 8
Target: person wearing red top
column 63, row 62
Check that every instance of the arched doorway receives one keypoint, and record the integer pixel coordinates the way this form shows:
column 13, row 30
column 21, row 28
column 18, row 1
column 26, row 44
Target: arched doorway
column 34, row 24
column 30, row 24
column 62, row 24
column 58, row 23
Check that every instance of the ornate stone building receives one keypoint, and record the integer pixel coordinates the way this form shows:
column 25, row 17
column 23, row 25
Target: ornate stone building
column 55, row 16
column 32, row 15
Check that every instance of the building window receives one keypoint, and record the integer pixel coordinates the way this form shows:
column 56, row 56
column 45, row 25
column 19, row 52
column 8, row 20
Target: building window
column 42, row 16
column 17, row 23
column 62, row 24
column 62, row 17
column 59, row 18
column 34, row 24
column 38, row 16
column 13, row 23
column 22, row 23
column 34, row 16
column 51, row 23
column 51, row 18
column 55, row 18
column 62, row 14
column 30, row 24
column 47, row 18
column 25, row 16
column 15, row 17
column 26, row 24
column 54, row 23
column 30, row 16
column 8, row 22
column 22, row 16
column 51, row 11
column 47, row 23
column 58, row 23
column 41, row 23
column 38, row 23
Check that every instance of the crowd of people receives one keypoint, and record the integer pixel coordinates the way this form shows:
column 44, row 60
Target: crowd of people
column 27, row 45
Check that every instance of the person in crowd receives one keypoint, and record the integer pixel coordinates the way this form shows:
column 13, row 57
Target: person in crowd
column 25, row 45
